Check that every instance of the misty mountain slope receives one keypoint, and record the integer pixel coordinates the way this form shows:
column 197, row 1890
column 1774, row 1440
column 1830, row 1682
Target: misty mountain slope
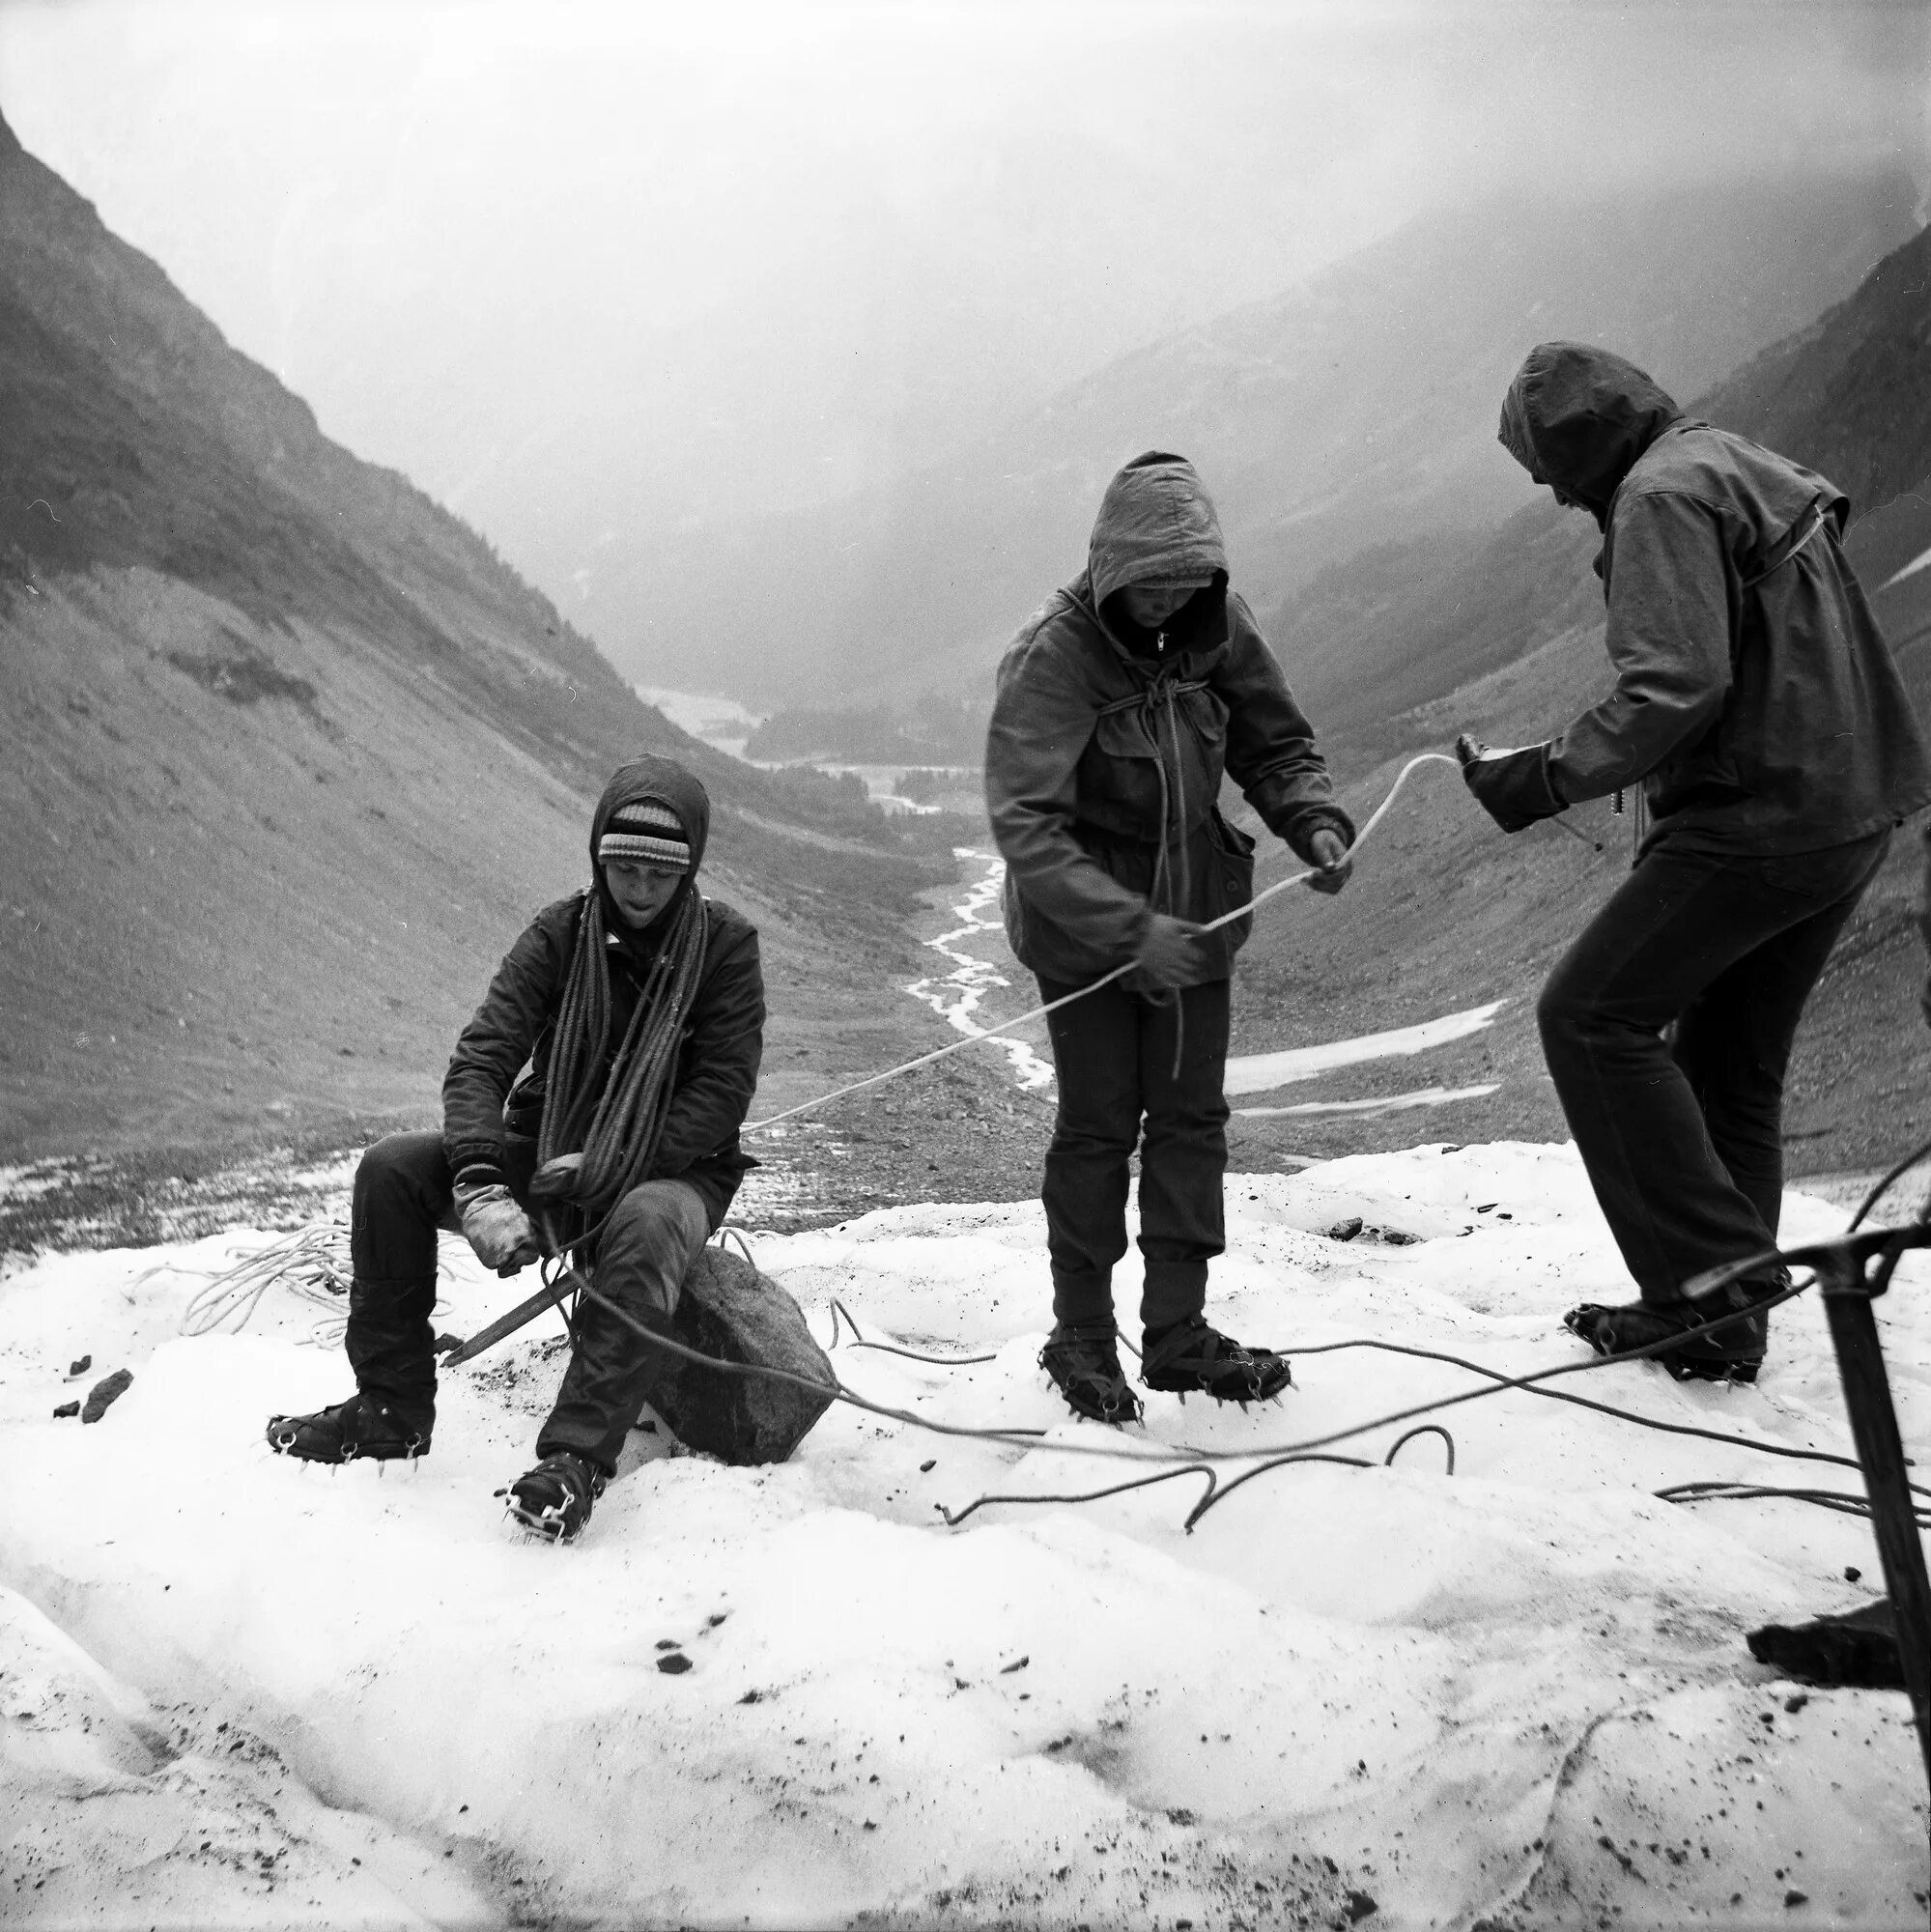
column 291, row 754
column 1849, row 395
column 1357, row 411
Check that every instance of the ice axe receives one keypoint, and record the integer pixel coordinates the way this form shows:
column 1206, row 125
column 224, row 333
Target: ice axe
column 554, row 1183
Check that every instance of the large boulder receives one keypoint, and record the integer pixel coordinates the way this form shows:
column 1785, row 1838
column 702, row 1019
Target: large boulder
column 731, row 1311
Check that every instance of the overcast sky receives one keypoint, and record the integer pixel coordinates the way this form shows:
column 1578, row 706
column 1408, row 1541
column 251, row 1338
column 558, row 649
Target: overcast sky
column 769, row 253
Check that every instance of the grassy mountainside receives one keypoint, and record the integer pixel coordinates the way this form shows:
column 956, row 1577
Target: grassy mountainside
column 1357, row 411
column 291, row 754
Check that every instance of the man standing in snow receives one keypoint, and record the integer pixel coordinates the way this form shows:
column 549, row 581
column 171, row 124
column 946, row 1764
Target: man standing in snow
column 1758, row 706
column 1118, row 707
column 616, row 1051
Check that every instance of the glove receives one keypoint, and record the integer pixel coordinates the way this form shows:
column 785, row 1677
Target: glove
column 1513, row 786
column 1328, row 850
column 1170, row 953
column 499, row 1232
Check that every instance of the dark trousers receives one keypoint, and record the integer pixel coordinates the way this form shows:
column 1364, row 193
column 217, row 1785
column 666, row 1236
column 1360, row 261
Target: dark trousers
column 403, row 1195
column 1683, row 1136
column 1114, row 1053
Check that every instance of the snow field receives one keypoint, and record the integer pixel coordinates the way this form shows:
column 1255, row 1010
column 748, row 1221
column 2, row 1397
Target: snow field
column 1520, row 1691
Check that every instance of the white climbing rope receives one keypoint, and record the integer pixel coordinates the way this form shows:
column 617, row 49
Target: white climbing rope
column 1260, row 898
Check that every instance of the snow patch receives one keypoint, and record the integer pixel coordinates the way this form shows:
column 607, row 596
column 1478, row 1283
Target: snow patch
column 1259, row 1072
column 1520, row 1689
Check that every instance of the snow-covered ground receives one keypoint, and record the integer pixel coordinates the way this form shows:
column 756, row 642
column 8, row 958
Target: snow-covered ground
column 233, row 1691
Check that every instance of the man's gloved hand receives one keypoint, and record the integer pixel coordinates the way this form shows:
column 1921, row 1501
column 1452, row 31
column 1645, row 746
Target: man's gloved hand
column 1171, row 953
column 499, row 1232
column 1328, row 850
column 1512, row 785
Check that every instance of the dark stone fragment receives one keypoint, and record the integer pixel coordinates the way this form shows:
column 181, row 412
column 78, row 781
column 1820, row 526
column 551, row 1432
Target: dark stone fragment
column 104, row 1393
column 68, row 1409
column 673, row 1662
column 1796, row 1898
column 81, row 1367
column 1345, row 1231
column 1361, row 1906
column 731, row 1311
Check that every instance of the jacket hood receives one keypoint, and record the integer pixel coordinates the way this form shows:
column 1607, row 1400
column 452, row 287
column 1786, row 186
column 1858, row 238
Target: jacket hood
column 1578, row 417
column 1156, row 521
column 669, row 783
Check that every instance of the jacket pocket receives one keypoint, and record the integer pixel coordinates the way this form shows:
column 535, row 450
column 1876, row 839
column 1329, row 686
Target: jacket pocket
column 1120, row 777
column 1233, row 873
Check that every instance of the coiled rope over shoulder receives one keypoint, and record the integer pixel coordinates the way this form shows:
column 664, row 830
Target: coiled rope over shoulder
column 617, row 1130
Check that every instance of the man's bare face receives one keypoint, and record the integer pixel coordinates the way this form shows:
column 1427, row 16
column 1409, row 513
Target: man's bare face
column 1151, row 605
column 640, row 890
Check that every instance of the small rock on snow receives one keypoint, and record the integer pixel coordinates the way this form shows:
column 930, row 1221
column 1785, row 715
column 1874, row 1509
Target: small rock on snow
column 105, row 1393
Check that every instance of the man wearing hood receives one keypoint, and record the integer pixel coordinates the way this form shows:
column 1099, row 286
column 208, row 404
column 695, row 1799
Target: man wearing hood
column 1118, row 706
column 1758, row 707
column 616, row 1050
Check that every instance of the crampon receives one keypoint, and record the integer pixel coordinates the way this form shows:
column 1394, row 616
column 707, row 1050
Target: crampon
column 1731, row 1353
column 1192, row 1358
column 361, row 1430
column 554, row 1500
column 1085, row 1367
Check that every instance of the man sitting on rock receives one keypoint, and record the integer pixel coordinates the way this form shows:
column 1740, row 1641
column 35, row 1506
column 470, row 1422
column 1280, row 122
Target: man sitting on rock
column 624, row 1027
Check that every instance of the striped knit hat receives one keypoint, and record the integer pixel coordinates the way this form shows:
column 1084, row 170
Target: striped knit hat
column 646, row 828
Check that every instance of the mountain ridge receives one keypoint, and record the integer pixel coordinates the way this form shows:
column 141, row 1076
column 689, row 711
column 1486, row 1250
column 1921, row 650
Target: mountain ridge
column 292, row 753
column 1354, row 410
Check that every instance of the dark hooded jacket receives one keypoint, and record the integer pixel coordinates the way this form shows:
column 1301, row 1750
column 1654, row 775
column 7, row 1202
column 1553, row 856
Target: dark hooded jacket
column 1756, row 700
column 496, row 1084
column 1107, row 744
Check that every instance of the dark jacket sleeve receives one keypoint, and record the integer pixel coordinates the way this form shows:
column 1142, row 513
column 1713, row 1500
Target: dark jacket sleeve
column 1668, row 590
column 718, row 1066
column 491, row 1050
column 1043, row 715
column 1270, row 748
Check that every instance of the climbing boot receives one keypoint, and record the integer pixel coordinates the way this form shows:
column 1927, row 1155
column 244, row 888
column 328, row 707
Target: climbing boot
column 1191, row 1358
column 365, row 1429
column 1084, row 1364
column 1731, row 1353
column 554, row 1500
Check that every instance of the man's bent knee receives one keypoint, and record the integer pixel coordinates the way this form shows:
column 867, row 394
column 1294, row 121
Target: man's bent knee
column 654, row 1234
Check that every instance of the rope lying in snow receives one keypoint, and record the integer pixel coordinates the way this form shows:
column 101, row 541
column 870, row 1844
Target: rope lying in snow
column 858, row 1341
column 1216, row 1490
column 1269, row 1455
column 312, row 1262
column 1260, row 898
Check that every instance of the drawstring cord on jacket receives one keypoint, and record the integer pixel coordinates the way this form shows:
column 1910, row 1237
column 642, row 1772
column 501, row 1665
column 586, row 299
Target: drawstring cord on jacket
column 1163, row 694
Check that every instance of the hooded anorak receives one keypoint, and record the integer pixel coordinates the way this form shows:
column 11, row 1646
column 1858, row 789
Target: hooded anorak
column 1108, row 742
column 498, row 1074
column 1756, row 702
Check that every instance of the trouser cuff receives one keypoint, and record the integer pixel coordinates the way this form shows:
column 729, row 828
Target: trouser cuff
column 1081, row 1300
